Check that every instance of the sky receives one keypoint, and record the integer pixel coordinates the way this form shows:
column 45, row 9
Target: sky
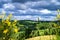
column 45, row 10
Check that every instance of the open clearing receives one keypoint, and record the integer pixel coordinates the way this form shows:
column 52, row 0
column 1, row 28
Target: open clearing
column 47, row 37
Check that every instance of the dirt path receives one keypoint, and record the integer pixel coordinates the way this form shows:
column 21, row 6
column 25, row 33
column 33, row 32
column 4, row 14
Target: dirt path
column 48, row 37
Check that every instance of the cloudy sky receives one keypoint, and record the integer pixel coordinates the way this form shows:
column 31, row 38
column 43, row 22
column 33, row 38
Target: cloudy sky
column 30, row 9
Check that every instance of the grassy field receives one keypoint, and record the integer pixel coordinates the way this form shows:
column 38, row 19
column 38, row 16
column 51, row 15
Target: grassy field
column 47, row 37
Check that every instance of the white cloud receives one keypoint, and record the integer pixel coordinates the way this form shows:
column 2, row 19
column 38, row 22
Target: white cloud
column 27, row 11
column 53, row 1
column 35, row 11
column 22, row 11
column 56, row 2
column 21, row 17
column 37, row 3
column 45, row 11
column 8, row 6
column 31, row 4
column 2, row 11
column 50, row 18
column 20, row 6
column 5, row 0
column 42, row 3
column 29, row 17
column 32, row 10
column 23, row 6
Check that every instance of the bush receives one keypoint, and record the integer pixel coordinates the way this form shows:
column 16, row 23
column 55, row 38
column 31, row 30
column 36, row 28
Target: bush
column 46, row 32
column 8, row 29
column 21, row 35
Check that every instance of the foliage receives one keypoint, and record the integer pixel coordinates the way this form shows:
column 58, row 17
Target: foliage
column 8, row 28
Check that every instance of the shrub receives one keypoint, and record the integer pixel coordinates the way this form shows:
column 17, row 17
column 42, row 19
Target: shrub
column 8, row 28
